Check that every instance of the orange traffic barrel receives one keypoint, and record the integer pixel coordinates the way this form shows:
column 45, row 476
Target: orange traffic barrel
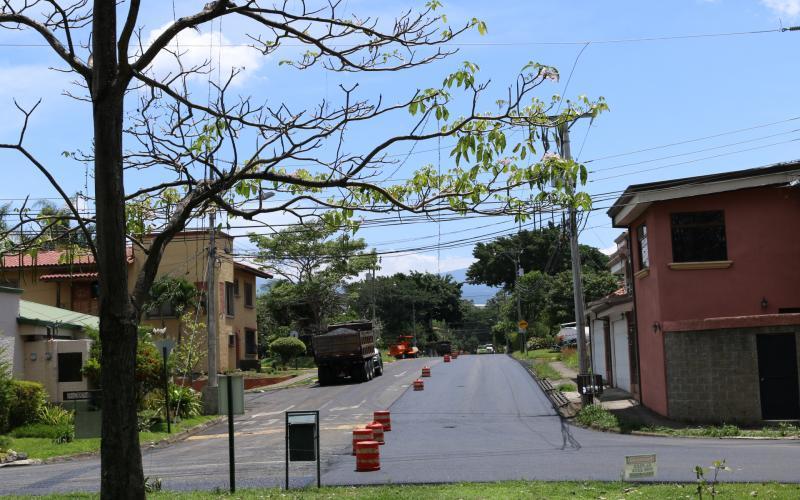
column 361, row 435
column 383, row 418
column 446, row 358
column 426, row 371
column 419, row 385
column 368, row 456
column 377, row 431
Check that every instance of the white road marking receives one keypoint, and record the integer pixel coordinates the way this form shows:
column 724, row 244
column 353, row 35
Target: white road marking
column 401, row 374
column 354, row 407
column 272, row 412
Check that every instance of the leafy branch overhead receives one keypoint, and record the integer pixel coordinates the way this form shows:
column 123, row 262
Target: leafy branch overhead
column 165, row 150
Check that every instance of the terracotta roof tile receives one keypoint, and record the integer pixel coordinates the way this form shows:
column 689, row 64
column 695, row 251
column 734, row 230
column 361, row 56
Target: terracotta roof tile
column 70, row 276
column 52, row 258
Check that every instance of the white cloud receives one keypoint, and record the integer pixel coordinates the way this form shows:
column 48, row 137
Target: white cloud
column 609, row 250
column 391, row 264
column 197, row 48
column 789, row 8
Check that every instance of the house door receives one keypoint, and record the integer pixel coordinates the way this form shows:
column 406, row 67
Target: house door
column 599, row 348
column 777, row 372
column 622, row 365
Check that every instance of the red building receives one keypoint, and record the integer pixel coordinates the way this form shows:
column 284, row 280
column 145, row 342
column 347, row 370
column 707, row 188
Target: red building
column 716, row 284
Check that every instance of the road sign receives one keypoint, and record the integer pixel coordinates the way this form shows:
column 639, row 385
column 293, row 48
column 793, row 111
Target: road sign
column 163, row 344
column 640, row 466
column 522, row 324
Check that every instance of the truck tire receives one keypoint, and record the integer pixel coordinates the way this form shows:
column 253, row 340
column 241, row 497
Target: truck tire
column 371, row 369
column 323, row 374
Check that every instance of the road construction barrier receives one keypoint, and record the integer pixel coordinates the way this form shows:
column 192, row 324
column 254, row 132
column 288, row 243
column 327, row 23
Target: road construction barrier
column 360, row 435
column 368, row 456
column 446, row 358
column 377, row 431
column 383, row 418
column 426, row 372
column 419, row 385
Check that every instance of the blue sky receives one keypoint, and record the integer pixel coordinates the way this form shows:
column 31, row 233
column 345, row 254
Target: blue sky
column 660, row 92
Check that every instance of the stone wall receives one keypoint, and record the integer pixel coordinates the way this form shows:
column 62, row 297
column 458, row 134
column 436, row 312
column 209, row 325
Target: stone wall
column 712, row 375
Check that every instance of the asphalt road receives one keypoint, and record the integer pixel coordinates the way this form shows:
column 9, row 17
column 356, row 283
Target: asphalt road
column 483, row 418
column 201, row 461
column 480, row 418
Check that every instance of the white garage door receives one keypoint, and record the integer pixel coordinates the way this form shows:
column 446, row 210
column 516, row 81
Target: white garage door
column 599, row 349
column 621, row 362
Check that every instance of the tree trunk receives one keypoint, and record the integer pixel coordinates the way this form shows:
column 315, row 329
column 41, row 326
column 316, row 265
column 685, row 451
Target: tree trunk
column 120, row 456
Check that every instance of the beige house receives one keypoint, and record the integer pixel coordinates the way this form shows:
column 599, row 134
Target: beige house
column 45, row 344
column 55, row 279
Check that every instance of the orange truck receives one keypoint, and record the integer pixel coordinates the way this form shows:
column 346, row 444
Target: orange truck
column 403, row 349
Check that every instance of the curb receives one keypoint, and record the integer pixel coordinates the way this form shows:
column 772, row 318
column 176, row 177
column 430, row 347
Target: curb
column 565, row 410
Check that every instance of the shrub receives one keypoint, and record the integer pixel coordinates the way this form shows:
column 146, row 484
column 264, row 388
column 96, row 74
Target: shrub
column 40, row 430
column 184, row 401
column 5, row 443
column 5, row 389
column 55, row 415
column 146, row 419
column 540, row 343
column 597, row 416
column 27, row 400
column 287, row 348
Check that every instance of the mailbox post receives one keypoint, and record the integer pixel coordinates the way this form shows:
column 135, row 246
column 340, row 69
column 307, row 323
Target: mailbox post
column 302, row 439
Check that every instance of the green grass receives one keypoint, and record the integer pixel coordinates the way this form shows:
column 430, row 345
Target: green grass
column 544, row 370
column 567, row 387
column 502, row 490
column 597, row 416
column 544, row 354
column 721, row 431
column 43, row 448
column 570, row 359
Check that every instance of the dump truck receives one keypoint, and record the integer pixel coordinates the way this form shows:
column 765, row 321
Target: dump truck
column 403, row 349
column 444, row 347
column 346, row 350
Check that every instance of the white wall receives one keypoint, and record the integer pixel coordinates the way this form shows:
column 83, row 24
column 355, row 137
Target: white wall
column 45, row 371
column 599, row 349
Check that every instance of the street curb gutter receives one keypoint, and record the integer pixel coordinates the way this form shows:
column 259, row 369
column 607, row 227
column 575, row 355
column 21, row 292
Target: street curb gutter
column 562, row 406
column 180, row 436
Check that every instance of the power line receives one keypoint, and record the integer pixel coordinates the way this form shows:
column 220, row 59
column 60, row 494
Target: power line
column 655, row 38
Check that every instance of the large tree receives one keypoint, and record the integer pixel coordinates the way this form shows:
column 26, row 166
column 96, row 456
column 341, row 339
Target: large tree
column 405, row 302
column 314, row 262
column 545, row 250
column 218, row 153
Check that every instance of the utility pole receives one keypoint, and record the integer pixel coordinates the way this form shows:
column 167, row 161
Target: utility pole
column 212, row 388
column 517, row 276
column 577, row 283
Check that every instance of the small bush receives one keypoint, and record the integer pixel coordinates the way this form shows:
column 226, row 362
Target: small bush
column 39, row 430
column 567, row 387
column 184, row 402
column 540, row 343
column 27, row 400
column 597, row 416
column 5, row 443
column 287, row 348
column 56, row 415
column 146, row 419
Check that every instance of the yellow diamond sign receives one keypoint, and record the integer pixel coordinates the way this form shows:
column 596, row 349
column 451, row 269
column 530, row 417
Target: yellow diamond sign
column 523, row 324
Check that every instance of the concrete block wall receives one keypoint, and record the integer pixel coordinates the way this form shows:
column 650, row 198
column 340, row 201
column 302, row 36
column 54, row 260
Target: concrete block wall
column 712, row 375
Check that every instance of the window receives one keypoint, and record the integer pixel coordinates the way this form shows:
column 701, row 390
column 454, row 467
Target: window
column 699, row 237
column 165, row 310
column 644, row 252
column 236, row 287
column 229, row 295
column 69, row 366
column 250, row 346
column 248, row 294
column 231, row 340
